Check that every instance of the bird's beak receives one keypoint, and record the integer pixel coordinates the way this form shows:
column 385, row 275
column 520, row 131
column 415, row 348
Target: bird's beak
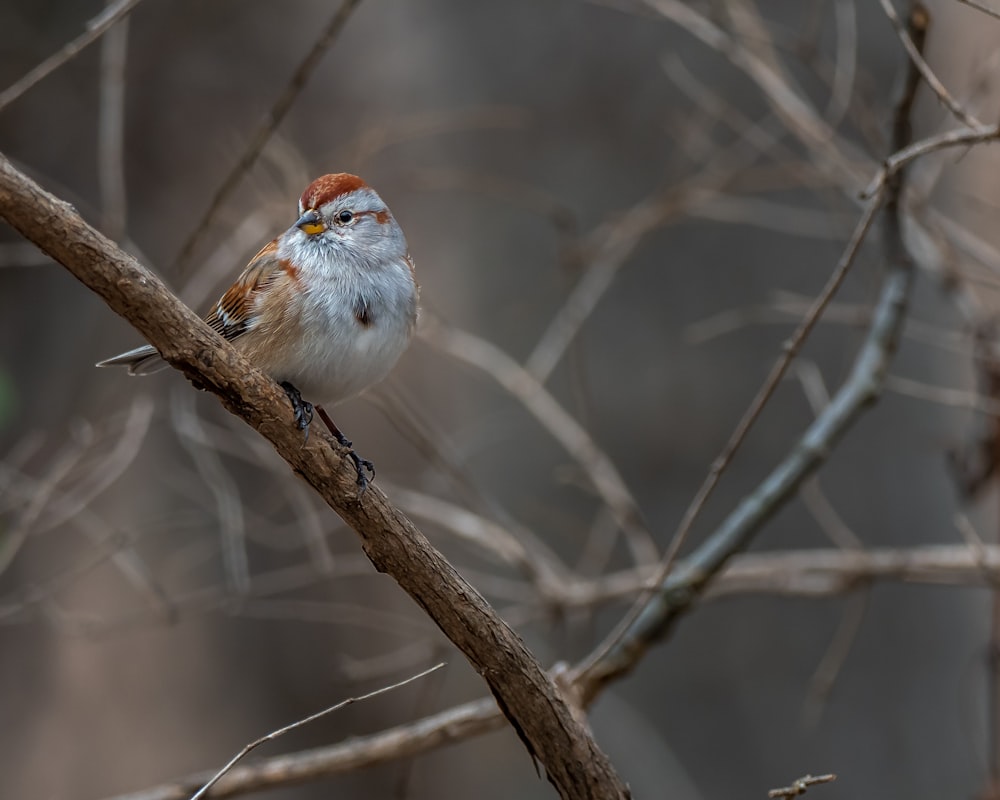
column 310, row 222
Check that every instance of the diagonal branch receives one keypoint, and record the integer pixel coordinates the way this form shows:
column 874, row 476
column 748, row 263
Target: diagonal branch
column 802, row 573
column 265, row 129
column 526, row 695
column 96, row 28
column 676, row 591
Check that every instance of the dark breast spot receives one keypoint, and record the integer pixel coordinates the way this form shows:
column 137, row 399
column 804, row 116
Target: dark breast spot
column 362, row 311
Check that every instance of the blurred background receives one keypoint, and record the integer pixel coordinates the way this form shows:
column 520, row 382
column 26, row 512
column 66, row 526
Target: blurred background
column 169, row 592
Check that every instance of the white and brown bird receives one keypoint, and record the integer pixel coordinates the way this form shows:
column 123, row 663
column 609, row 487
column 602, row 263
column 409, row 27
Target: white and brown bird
column 325, row 309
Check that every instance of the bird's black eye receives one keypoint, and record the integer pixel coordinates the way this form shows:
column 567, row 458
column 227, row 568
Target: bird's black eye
column 345, row 217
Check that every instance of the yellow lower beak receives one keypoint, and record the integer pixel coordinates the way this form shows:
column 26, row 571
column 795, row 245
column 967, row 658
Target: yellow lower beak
column 311, row 223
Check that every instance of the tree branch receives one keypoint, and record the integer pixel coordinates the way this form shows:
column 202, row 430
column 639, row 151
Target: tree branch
column 802, row 573
column 676, row 592
column 526, row 695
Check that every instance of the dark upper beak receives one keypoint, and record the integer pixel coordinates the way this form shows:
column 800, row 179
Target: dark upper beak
column 311, row 222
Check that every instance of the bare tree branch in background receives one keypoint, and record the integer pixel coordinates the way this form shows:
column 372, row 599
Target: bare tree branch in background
column 96, row 28
column 797, row 142
column 263, row 132
column 111, row 131
column 282, row 731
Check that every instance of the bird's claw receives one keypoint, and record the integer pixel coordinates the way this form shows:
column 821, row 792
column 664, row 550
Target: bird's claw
column 360, row 464
column 303, row 408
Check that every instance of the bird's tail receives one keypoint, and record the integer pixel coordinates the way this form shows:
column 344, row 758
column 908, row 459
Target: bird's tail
column 141, row 361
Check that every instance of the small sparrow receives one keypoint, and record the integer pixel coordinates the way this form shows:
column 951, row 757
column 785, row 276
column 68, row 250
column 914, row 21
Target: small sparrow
column 325, row 309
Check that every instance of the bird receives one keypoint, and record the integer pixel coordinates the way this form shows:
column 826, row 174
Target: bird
column 325, row 308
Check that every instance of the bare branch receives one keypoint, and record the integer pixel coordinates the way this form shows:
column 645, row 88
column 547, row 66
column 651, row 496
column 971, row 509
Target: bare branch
column 914, row 49
column 652, row 617
column 962, row 137
column 626, row 643
column 568, row 432
column 455, row 724
column 95, row 29
column 805, row 573
column 281, row 731
column 111, row 131
column 801, row 785
column 834, row 155
column 571, row 758
column 265, row 129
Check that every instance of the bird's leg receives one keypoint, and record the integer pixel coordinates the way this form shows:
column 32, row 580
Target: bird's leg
column 360, row 464
column 303, row 408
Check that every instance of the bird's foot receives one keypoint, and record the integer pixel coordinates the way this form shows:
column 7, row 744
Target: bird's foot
column 360, row 464
column 303, row 408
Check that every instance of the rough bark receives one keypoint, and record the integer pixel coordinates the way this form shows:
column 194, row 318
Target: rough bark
column 525, row 693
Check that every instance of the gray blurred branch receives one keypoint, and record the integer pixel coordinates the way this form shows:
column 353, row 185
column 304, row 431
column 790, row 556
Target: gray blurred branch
column 265, row 129
column 95, row 29
column 653, row 619
column 111, row 131
column 805, row 573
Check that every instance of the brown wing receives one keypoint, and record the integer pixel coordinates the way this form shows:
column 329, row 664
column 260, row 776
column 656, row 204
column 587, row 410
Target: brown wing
column 233, row 314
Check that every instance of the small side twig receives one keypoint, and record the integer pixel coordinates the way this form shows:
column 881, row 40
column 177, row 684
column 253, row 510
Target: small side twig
column 312, row 718
column 111, row 131
column 911, row 36
column 962, row 137
column 801, row 785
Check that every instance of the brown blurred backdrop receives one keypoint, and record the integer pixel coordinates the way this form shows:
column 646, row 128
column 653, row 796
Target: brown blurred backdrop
column 503, row 136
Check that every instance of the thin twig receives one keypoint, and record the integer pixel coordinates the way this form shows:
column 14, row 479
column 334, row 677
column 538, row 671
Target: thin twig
column 111, row 131
column 577, row 441
column 224, row 489
column 95, row 28
column 846, row 65
column 915, row 49
column 461, row 722
column 263, row 132
column 539, row 562
column 609, row 247
column 50, row 503
column 815, row 573
column 825, row 675
column 981, row 7
column 826, row 516
column 652, row 615
column 281, row 731
column 482, row 533
column 625, row 630
column 944, row 395
column 805, row 573
column 801, row 785
column 834, row 155
column 961, row 137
